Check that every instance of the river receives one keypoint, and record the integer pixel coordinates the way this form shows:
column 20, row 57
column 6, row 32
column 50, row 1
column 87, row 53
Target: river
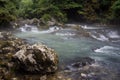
column 102, row 44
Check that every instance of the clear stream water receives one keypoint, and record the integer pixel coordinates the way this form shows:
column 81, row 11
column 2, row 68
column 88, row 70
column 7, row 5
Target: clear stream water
column 103, row 45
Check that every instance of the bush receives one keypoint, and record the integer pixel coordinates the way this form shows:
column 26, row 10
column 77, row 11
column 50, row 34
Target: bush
column 46, row 17
column 7, row 12
column 116, row 9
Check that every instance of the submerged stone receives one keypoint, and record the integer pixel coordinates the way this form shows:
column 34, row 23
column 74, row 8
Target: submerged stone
column 83, row 62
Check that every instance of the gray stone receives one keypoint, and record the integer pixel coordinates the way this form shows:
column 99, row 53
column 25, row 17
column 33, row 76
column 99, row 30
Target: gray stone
column 37, row 58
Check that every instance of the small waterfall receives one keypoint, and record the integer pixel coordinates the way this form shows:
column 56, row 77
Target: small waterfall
column 51, row 29
column 90, row 27
column 105, row 34
column 99, row 36
column 113, row 34
column 107, row 49
column 29, row 28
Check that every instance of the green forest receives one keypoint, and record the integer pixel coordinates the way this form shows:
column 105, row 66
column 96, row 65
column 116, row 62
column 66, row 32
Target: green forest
column 105, row 11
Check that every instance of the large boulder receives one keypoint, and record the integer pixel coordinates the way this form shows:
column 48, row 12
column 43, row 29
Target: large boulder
column 37, row 58
column 17, row 56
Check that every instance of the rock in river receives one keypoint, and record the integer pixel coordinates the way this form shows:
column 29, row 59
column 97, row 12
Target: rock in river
column 36, row 58
column 83, row 62
column 17, row 56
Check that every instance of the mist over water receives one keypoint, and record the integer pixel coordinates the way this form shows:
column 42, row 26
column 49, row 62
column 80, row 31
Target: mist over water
column 103, row 44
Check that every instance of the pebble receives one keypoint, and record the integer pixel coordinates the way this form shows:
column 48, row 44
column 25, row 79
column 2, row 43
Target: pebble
column 14, row 79
column 43, row 77
column 83, row 75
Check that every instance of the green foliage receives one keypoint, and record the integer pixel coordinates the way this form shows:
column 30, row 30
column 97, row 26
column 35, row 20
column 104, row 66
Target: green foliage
column 66, row 4
column 116, row 10
column 46, row 17
column 8, row 11
column 60, row 10
column 25, row 8
column 45, row 9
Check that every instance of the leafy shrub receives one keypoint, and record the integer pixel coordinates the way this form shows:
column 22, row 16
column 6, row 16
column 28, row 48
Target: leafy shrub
column 116, row 9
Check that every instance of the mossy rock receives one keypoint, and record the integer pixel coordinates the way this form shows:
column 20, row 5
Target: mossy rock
column 3, row 43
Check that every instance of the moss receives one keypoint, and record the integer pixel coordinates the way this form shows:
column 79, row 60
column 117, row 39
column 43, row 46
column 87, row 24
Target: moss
column 3, row 43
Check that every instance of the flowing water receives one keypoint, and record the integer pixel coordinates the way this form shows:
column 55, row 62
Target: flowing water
column 103, row 44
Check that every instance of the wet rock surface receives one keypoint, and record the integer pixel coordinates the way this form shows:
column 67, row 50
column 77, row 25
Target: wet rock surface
column 40, row 23
column 9, row 44
column 17, row 56
column 36, row 58
column 88, row 69
column 85, row 61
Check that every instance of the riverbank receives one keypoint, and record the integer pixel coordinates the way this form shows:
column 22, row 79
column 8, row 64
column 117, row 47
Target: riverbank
column 45, row 25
